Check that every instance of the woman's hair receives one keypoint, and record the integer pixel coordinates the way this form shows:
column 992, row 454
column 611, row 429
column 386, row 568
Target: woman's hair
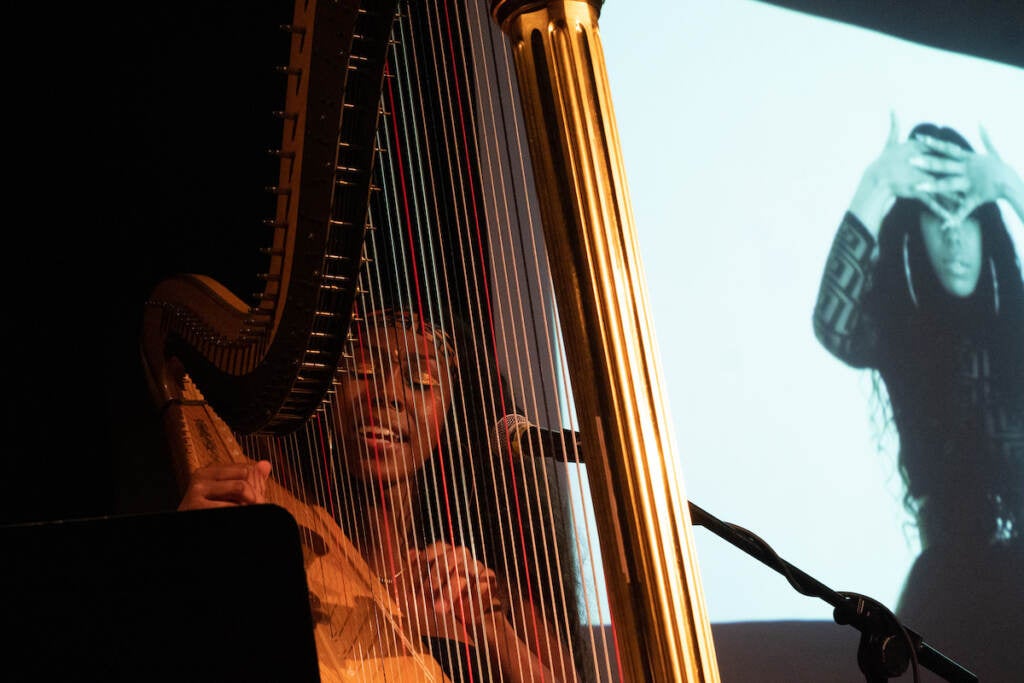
column 452, row 478
column 915, row 313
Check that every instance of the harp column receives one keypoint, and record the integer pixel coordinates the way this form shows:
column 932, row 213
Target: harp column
column 642, row 515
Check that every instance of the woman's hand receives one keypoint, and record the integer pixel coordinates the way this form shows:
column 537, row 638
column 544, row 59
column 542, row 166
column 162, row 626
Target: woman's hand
column 983, row 177
column 907, row 170
column 457, row 597
column 226, row 485
column 452, row 586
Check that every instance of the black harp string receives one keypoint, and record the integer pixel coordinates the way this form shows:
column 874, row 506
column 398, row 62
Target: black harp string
column 454, row 500
column 455, row 490
column 405, row 163
column 516, row 526
column 481, row 313
column 526, row 325
column 407, row 214
column 517, row 233
column 531, row 316
column 452, row 487
column 407, row 185
column 480, row 316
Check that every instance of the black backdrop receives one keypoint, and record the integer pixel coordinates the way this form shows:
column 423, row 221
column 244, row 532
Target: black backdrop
column 141, row 142
column 136, row 143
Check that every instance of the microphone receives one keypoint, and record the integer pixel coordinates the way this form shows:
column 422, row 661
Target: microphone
column 515, row 434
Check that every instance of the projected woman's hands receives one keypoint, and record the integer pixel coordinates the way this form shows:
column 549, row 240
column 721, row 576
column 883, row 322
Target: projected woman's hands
column 983, row 177
column 918, row 169
column 951, row 181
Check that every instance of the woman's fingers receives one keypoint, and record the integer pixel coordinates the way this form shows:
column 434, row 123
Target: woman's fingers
column 949, row 149
column 455, row 582
column 934, row 164
column 222, row 471
column 969, row 204
column 227, row 484
column 985, row 140
column 894, row 130
column 938, row 209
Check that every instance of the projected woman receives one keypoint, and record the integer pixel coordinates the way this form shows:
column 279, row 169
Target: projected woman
column 923, row 285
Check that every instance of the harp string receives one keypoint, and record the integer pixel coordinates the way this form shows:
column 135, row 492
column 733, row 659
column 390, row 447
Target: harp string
column 453, row 493
column 533, row 321
column 526, row 319
column 509, row 240
column 403, row 106
column 436, row 237
column 520, row 576
column 482, row 317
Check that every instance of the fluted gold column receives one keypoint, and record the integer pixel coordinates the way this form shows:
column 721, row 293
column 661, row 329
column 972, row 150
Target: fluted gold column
column 654, row 585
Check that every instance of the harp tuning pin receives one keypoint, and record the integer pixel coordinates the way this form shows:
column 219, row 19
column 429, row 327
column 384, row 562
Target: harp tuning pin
column 291, row 28
column 282, row 153
column 273, row 189
column 254, row 326
column 286, row 115
column 288, row 70
column 273, row 223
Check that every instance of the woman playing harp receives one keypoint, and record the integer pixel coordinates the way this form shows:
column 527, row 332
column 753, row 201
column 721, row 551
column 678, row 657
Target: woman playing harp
column 448, row 203
column 410, row 425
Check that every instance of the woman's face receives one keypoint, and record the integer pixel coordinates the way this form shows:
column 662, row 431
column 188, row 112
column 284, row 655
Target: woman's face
column 954, row 252
column 392, row 404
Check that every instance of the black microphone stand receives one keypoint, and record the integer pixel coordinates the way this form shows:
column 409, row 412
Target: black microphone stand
column 886, row 647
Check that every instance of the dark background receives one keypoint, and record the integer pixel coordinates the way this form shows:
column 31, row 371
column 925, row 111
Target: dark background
column 137, row 140
column 141, row 152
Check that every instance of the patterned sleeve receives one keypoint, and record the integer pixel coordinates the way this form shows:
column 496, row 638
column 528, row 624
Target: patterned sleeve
column 840, row 321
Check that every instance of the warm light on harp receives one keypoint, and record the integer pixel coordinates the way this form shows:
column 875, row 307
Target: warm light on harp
column 654, row 584
column 494, row 279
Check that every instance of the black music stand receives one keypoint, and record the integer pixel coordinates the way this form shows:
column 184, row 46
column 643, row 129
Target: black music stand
column 206, row 595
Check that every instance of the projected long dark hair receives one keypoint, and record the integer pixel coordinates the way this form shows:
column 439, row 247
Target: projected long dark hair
column 928, row 331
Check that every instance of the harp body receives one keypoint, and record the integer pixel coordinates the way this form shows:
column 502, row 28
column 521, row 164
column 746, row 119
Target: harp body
column 234, row 380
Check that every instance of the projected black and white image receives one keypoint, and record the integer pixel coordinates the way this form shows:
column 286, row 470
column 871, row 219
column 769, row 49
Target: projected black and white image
column 882, row 456
column 923, row 286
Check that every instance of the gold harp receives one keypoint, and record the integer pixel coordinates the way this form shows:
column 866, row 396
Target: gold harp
column 459, row 160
